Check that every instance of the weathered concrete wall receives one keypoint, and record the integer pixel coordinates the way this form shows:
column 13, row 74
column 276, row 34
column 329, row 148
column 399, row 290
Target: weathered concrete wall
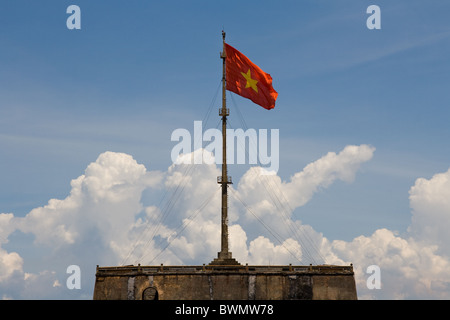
column 333, row 287
column 233, row 284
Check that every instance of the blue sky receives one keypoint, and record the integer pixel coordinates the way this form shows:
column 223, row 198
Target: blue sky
column 137, row 71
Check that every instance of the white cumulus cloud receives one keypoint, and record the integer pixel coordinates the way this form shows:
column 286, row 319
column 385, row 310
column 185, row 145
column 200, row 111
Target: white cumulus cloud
column 414, row 265
column 111, row 217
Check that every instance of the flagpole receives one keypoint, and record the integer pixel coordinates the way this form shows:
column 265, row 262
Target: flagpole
column 224, row 256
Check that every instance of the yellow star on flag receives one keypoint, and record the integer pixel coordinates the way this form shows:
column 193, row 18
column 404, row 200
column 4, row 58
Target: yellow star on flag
column 251, row 83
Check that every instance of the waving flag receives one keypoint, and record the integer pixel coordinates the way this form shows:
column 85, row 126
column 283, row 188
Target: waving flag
column 248, row 80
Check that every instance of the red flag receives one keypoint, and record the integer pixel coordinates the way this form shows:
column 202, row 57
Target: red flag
column 248, row 80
